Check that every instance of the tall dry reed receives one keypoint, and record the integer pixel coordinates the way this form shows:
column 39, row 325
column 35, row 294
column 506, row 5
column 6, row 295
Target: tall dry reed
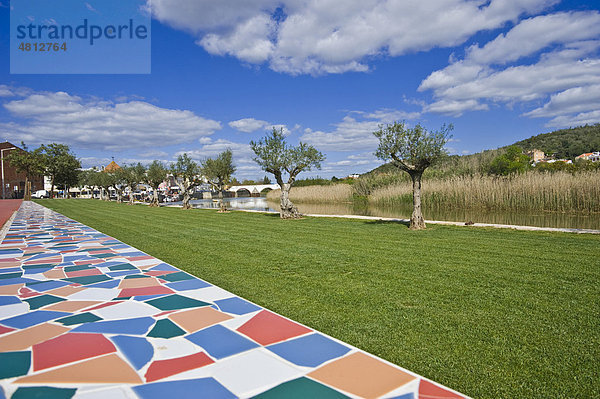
column 554, row 192
column 316, row 194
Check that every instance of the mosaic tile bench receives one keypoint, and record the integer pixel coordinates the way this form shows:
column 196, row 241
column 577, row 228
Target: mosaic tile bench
column 83, row 315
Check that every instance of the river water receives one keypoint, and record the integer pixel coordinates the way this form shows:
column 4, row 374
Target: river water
column 516, row 218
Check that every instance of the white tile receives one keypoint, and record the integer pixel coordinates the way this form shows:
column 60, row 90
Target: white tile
column 113, row 392
column 253, row 372
column 410, row 387
column 126, row 310
column 96, row 294
column 172, row 347
column 15, row 309
column 209, row 294
column 238, row 321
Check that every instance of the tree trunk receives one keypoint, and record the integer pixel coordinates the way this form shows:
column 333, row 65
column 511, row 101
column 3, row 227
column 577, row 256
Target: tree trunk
column 130, row 196
column 186, row 199
column 106, row 194
column 288, row 209
column 416, row 220
column 27, row 193
column 119, row 196
column 52, row 190
column 222, row 207
column 154, row 198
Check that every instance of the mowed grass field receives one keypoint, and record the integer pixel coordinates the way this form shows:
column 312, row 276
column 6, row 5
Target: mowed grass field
column 492, row 313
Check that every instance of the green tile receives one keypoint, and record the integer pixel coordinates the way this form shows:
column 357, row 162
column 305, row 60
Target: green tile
column 43, row 393
column 39, row 266
column 10, row 275
column 172, row 277
column 165, row 328
column 137, row 276
column 13, row 364
column 299, row 389
column 79, row 319
column 42, row 300
column 76, row 268
column 85, row 280
column 174, row 302
column 100, row 256
column 122, row 266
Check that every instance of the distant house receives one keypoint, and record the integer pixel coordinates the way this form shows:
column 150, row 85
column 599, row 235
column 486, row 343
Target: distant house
column 536, row 155
column 354, row 176
column 111, row 167
column 13, row 183
column 590, row 156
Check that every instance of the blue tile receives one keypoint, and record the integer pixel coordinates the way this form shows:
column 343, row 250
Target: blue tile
column 405, row 396
column 236, row 305
column 18, row 280
column 32, row 318
column 123, row 273
column 309, row 351
column 12, row 270
column 47, row 285
column 221, row 342
column 38, row 270
column 139, row 326
column 188, row 285
column 137, row 349
column 9, row 300
column 106, row 284
column 42, row 256
column 184, row 389
column 164, row 267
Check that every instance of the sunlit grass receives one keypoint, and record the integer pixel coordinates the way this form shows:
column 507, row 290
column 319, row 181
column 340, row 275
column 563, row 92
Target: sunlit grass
column 492, row 313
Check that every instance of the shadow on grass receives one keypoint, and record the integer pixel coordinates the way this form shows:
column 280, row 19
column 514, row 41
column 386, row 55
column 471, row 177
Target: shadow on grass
column 405, row 223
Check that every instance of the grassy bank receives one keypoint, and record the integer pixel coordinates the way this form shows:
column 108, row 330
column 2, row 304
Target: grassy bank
column 549, row 192
column 492, row 313
column 316, row 194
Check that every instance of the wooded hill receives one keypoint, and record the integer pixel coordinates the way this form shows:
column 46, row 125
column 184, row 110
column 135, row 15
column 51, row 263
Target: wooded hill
column 564, row 143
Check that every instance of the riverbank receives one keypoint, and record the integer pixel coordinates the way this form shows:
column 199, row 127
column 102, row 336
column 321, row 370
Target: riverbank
column 489, row 312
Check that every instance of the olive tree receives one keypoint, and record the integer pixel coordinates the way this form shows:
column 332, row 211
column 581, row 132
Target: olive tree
column 60, row 165
column 186, row 173
column 277, row 157
column 132, row 176
column 31, row 163
column 218, row 173
column 155, row 175
column 412, row 150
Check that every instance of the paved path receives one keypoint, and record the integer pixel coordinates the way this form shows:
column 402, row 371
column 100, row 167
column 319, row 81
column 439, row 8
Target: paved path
column 83, row 315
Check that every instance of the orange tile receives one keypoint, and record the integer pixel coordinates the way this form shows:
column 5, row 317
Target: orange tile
column 362, row 375
column 33, row 335
column 65, row 291
column 102, row 370
column 138, row 283
column 71, row 306
column 196, row 319
column 55, row 274
column 5, row 265
column 10, row 289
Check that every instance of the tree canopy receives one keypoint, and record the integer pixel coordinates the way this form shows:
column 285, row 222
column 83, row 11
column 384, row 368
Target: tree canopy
column 276, row 156
column 186, row 172
column 29, row 162
column 512, row 161
column 218, row 172
column 155, row 175
column 412, row 150
column 61, row 165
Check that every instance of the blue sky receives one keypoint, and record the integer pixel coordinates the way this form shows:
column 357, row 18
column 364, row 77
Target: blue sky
column 328, row 72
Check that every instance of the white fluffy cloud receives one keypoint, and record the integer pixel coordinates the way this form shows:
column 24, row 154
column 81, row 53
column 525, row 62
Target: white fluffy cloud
column 562, row 67
column 101, row 125
column 355, row 131
column 320, row 36
column 248, row 125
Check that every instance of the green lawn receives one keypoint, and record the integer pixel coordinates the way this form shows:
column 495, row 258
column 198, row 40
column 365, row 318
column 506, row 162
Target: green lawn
column 492, row 313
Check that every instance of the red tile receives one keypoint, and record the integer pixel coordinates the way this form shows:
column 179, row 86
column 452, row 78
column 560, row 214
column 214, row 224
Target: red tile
column 145, row 257
column 4, row 330
column 267, row 328
column 165, row 368
column 156, row 290
column 52, row 259
column 428, row 390
column 69, row 348
column 88, row 262
column 84, row 272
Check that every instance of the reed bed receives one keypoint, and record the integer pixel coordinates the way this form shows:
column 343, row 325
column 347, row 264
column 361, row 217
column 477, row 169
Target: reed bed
column 549, row 192
column 316, row 194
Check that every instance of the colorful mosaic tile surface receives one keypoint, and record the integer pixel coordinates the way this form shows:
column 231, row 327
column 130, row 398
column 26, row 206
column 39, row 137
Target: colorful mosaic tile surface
column 83, row 315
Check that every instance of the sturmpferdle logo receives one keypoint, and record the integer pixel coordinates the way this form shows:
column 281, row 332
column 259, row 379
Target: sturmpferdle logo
column 83, row 37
